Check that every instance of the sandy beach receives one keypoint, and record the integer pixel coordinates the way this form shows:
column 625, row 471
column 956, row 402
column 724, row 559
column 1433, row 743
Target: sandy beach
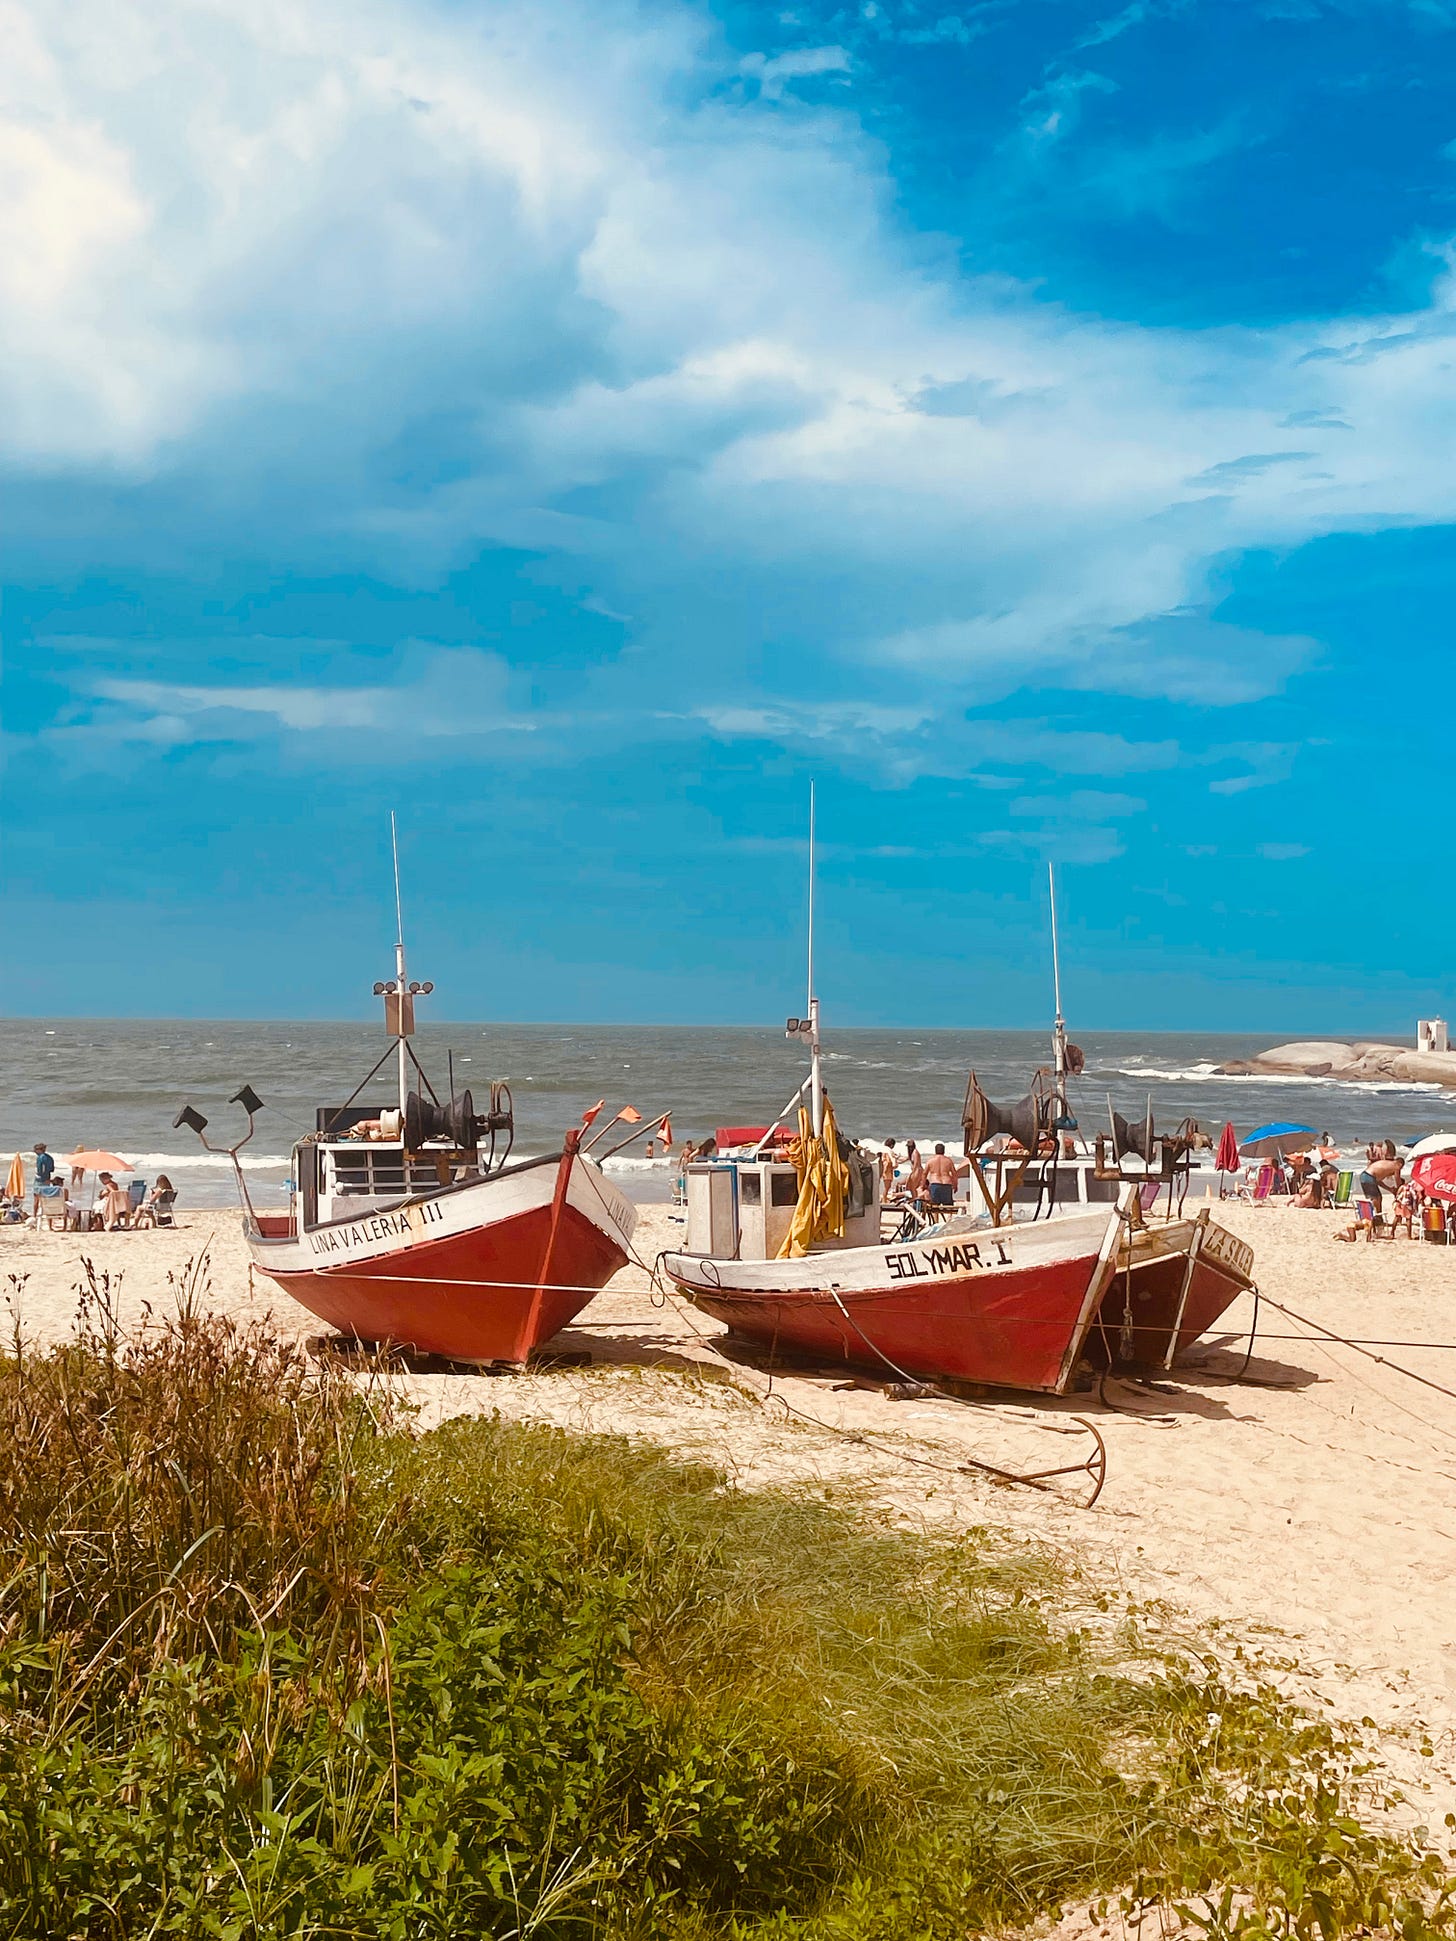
column 1306, row 1513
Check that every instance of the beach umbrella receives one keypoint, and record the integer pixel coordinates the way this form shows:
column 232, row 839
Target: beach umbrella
column 15, row 1179
column 1227, row 1158
column 1273, row 1141
column 1433, row 1142
column 1436, row 1175
column 89, row 1160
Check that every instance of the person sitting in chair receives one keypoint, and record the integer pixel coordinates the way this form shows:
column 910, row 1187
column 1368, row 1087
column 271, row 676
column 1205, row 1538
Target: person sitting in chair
column 113, row 1207
column 156, row 1209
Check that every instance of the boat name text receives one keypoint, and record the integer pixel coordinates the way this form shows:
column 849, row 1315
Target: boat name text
column 379, row 1226
column 962, row 1258
column 1237, row 1255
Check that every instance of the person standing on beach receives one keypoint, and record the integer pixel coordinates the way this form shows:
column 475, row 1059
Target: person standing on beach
column 1382, row 1171
column 915, row 1183
column 45, row 1169
column 942, row 1174
column 887, row 1170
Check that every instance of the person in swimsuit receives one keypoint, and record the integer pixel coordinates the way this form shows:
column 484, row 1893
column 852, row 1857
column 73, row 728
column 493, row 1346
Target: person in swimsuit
column 915, row 1183
column 887, row 1170
column 942, row 1174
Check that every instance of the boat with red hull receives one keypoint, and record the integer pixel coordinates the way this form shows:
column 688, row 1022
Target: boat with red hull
column 1172, row 1282
column 410, row 1225
column 485, row 1269
column 785, row 1248
column 1010, row 1307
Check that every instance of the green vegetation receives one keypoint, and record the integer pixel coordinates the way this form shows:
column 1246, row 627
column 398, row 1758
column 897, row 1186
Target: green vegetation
column 270, row 1665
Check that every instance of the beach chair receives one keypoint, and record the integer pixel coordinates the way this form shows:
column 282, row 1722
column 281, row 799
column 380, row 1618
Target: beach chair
column 1344, row 1187
column 162, row 1206
column 55, row 1209
column 136, row 1192
column 1374, row 1223
column 1263, row 1183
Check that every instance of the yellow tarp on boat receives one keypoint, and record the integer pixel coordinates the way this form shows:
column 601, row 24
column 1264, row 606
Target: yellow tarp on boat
column 823, row 1186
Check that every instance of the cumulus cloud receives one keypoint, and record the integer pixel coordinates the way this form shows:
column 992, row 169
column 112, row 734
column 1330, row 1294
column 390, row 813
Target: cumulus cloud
column 776, row 73
column 435, row 693
column 386, row 286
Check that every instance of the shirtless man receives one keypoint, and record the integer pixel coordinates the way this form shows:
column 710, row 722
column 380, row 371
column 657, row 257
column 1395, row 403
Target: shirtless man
column 942, row 1173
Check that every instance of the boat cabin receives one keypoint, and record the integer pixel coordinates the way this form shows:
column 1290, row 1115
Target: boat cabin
column 343, row 1171
column 742, row 1209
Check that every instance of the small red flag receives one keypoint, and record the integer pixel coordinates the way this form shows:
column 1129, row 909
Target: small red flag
column 666, row 1130
column 587, row 1117
column 630, row 1114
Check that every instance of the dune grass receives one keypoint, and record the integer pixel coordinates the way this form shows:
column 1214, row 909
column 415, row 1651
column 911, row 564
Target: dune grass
column 272, row 1665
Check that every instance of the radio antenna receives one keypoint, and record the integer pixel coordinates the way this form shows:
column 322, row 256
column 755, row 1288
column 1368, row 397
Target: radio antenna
column 816, row 1076
column 398, row 906
column 406, row 1004
column 1059, row 1026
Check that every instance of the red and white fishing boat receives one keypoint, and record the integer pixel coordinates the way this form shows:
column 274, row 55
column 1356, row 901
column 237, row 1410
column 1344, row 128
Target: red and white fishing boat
column 1012, row 1297
column 1010, row 1307
column 411, row 1225
column 1171, row 1283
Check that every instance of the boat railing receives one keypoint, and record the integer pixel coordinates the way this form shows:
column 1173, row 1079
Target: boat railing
column 384, row 1171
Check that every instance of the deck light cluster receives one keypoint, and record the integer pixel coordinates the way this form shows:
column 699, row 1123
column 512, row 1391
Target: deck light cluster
column 393, row 987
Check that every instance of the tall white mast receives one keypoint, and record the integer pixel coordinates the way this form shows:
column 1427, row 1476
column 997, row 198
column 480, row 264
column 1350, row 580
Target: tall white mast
column 1059, row 1027
column 816, row 1077
column 401, row 981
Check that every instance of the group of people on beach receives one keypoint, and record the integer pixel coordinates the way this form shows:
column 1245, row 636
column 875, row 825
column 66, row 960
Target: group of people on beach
column 112, row 1207
column 1312, row 1179
column 917, row 1181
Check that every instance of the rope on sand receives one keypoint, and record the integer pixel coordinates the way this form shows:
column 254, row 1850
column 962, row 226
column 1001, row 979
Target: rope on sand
column 1396, row 1368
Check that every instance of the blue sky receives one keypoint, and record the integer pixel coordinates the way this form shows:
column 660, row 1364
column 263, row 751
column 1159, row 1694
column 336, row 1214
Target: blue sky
column 576, row 426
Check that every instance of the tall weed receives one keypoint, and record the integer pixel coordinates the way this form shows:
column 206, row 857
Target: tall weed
column 270, row 1664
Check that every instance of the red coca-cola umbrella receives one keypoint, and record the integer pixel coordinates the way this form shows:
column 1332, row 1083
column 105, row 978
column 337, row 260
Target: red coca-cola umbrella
column 1436, row 1175
column 1226, row 1160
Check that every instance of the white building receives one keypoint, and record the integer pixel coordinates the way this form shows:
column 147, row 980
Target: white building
column 1431, row 1035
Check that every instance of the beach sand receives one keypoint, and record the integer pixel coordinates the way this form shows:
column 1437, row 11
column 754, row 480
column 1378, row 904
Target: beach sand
column 1307, row 1514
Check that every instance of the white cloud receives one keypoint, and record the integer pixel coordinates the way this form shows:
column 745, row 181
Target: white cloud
column 385, row 285
column 774, row 73
column 437, row 692
column 1080, row 805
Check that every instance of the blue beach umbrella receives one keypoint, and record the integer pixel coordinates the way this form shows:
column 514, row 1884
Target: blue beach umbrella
column 1274, row 1140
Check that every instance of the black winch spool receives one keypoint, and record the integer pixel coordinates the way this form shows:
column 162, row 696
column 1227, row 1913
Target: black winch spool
column 425, row 1119
column 1028, row 1122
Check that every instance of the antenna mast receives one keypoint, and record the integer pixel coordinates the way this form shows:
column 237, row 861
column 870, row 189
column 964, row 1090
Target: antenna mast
column 816, row 1077
column 1059, row 1027
column 399, row 972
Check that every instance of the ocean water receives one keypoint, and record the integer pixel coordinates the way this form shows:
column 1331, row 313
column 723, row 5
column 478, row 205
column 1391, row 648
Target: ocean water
column 117, row 1084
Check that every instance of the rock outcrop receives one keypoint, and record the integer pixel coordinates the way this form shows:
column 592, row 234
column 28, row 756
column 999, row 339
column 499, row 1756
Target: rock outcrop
column 1328, row 1058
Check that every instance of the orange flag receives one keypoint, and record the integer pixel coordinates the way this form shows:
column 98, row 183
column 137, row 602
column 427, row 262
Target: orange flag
column 630, row 1114
column 587, row 1117
column 666, row 1130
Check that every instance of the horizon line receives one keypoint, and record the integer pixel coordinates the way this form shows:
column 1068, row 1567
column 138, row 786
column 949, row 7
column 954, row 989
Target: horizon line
column 1341, row 1036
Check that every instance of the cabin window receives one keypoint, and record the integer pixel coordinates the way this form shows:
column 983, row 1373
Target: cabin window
column 784, row 1189
column 750, row 1189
